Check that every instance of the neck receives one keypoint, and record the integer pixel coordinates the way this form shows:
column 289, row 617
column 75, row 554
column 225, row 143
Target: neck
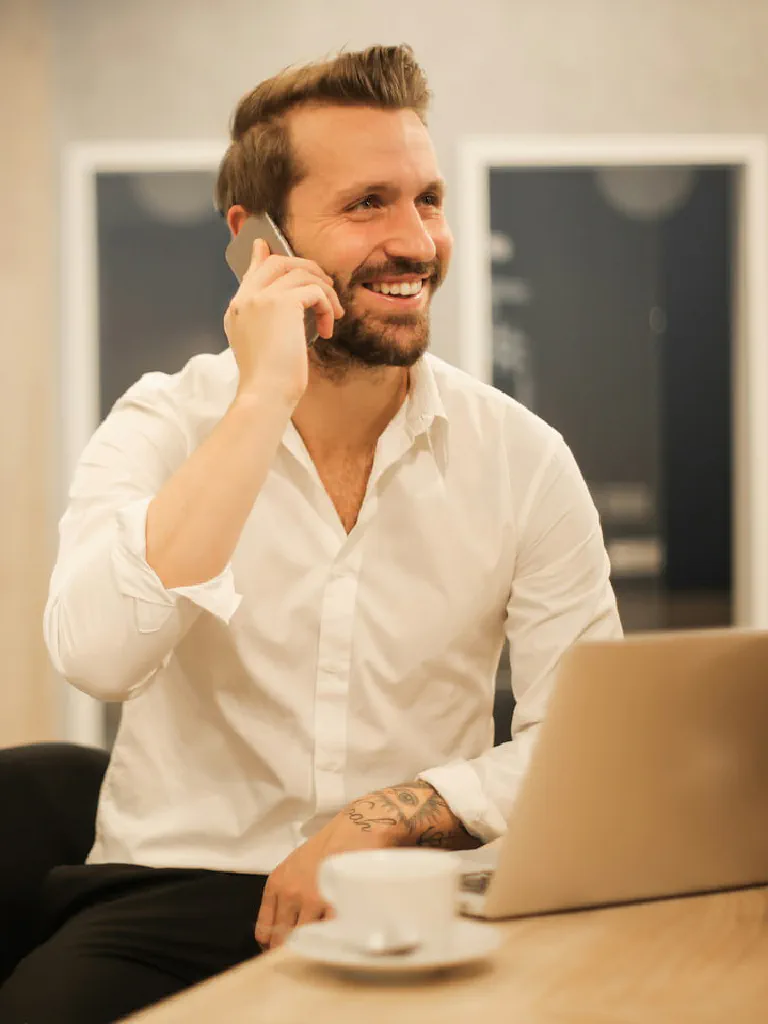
column 348, row 414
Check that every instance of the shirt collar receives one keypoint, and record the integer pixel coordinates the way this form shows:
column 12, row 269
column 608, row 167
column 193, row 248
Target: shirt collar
column 425, row 413
column 424, row 404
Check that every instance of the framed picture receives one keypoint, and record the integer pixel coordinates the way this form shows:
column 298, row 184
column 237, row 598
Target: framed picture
column 616, row 286
column 145, row 287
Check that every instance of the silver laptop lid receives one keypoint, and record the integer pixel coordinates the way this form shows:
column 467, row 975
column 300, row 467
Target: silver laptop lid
column 649, row 777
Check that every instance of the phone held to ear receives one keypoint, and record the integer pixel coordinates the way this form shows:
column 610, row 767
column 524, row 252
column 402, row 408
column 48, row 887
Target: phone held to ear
column 240, row 249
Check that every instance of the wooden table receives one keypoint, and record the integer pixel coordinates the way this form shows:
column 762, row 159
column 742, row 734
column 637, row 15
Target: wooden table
column 701, row 959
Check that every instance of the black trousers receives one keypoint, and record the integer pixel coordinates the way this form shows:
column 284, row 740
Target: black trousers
column 115, row 938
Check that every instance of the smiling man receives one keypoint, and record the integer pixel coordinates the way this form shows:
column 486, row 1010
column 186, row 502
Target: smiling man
column 297, row 568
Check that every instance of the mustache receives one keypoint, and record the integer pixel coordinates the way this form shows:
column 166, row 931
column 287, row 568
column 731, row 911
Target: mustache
column 394, row 266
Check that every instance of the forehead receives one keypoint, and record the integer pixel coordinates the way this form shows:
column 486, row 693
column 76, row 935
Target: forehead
column 338, row 146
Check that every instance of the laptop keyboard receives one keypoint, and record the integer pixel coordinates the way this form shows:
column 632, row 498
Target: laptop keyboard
column 475, row 881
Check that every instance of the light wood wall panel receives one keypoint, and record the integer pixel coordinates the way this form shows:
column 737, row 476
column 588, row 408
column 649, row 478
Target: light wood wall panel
column 28, row 239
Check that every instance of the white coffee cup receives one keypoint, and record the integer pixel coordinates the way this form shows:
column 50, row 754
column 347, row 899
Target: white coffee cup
column 390, row 897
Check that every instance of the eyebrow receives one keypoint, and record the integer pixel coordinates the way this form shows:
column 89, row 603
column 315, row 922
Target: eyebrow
column 385, row 188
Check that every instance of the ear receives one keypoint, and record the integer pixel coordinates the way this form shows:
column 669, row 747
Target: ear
column 236, row 215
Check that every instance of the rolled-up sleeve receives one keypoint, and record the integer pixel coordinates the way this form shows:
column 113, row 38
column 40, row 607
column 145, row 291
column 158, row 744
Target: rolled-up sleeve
column 561, row 594
column 109, row 622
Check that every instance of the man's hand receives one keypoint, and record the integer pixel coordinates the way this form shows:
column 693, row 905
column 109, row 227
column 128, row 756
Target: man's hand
column 264, row 323
column 413, row 814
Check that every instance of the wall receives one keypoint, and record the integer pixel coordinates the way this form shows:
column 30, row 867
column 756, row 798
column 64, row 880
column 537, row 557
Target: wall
column 27, row 350
column 165, row 69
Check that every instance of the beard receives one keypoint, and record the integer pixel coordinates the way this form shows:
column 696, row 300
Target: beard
column 369, row 341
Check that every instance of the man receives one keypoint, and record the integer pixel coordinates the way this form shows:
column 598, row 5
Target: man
column 297, row 568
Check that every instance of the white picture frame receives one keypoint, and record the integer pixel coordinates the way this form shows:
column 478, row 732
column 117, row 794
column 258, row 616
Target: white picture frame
column 748, row 155
column 82, row 717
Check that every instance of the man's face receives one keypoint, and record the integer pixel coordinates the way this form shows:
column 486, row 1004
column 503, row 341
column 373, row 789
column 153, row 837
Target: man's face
column 370, row 212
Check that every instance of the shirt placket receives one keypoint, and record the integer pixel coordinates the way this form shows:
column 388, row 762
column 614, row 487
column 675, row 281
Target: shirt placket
column 334, row 657
column 337, row 620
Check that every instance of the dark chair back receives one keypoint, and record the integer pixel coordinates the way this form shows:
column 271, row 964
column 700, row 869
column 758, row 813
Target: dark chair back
column 503, row 709
column 48, row 798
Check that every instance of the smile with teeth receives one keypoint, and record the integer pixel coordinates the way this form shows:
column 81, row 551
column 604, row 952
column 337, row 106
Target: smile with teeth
column 405, row 288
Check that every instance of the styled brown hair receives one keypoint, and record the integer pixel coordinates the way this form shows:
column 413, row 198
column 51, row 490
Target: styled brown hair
column 259, row 169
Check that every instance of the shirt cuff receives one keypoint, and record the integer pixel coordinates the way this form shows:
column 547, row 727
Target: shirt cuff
column 460, row 787
column 138, row 580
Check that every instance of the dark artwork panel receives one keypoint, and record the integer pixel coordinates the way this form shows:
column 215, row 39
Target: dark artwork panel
column 612, row 320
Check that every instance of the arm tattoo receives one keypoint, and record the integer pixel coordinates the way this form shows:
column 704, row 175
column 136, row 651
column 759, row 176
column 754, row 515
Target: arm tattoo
column 414, row 814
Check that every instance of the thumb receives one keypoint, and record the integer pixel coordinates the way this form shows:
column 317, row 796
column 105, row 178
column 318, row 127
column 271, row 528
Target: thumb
column 259, row 252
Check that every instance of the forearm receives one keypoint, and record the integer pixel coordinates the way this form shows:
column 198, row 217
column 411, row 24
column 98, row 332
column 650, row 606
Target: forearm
column 412, row 814
column 195, row 521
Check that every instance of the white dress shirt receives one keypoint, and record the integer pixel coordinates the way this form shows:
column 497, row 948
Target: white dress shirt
column 320, row 666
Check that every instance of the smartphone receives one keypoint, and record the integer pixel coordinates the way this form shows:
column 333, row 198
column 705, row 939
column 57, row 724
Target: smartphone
column 240, row 249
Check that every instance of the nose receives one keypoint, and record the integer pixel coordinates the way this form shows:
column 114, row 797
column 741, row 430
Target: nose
column 409, row 236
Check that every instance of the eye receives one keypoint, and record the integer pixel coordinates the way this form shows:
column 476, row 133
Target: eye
column 371, row 202
column 431, row 199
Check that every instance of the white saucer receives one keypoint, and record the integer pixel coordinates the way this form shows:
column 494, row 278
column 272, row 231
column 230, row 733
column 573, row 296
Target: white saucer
column 465, row 942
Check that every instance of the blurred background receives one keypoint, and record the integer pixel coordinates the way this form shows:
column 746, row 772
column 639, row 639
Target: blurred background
column 611, row 290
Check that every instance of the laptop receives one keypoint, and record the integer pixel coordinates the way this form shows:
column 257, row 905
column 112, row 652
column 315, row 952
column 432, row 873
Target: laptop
column 649, row 779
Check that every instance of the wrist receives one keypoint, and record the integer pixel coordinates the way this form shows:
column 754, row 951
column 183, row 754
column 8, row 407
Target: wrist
column 258, row 401
column 411, row 814
column 374, row 818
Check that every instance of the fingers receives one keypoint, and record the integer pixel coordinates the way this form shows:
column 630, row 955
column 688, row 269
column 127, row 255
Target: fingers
column 297, row 277
column 259, row 254
column 313, row 910
column 281, row 912
column 266, row 918
column 291, row 914
column 278, row 915
column 266, row 269
column 288, row 911
column 312, row 296
column 269, row 274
